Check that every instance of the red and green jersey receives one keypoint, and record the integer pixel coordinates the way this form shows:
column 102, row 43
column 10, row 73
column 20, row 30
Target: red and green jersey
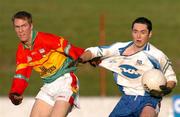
column 49, row 56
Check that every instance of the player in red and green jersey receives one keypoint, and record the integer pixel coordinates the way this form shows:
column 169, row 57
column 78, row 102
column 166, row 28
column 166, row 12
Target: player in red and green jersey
column 49, row 55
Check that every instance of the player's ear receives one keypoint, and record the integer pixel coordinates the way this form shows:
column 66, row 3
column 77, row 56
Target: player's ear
column 31, row 26
column 150, row 34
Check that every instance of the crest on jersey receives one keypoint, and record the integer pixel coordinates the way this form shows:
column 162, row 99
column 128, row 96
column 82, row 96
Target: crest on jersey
column 139, row 62
column 42, row 51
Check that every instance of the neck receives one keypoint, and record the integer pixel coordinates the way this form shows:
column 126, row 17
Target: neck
column 28, row 43
column 136, row 48
column 133, row 49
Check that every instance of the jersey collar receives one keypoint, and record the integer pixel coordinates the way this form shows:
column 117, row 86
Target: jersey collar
column 34, row 33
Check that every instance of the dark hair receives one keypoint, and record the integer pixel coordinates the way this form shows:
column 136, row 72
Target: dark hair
column 143, row 20
column 22, row 15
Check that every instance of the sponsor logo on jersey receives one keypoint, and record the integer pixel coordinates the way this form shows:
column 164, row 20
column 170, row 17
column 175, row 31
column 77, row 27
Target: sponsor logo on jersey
column 47, row 70
column 129, row 71
column 42, row 50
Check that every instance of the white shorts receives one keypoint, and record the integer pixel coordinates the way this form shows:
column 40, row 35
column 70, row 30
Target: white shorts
column 64, row 88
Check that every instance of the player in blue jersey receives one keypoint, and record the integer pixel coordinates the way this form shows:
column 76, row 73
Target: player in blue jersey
column 128, row 61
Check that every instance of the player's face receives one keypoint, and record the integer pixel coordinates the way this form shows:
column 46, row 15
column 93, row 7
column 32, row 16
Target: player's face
column 23, row 29
column 140, row 34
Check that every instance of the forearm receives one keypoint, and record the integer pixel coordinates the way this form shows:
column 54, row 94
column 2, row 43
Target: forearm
column 20, row 80
column 18, row 86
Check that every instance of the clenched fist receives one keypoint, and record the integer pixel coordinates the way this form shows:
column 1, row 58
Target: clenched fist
column 15, row 98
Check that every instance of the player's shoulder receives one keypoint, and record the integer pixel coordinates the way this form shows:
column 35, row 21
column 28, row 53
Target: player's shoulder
column 48, row 37
column 154, row 51
column 46, row 34
column 20, row 46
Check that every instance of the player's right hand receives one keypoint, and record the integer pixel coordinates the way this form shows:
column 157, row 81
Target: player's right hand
column 95, row 61
column 164, row 91
column 15, row 98
column 75, row 63
column 155, row 93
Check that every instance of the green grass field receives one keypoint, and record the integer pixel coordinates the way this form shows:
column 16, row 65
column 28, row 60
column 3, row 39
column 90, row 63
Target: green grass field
column 78, row 21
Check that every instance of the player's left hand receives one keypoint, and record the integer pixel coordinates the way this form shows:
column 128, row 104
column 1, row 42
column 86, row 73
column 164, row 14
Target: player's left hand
column 164, row 91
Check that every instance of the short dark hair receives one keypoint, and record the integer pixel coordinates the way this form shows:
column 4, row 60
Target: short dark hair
column 143, row 20
column 22, row 15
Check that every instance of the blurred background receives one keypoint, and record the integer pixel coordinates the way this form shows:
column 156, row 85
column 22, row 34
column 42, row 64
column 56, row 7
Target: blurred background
column 89, row 23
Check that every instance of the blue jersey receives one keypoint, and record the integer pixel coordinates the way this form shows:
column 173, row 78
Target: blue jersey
column 128, row 70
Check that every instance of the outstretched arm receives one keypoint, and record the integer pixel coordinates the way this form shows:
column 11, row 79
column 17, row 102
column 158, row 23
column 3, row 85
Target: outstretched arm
column 93, row 55
column 86, row 57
